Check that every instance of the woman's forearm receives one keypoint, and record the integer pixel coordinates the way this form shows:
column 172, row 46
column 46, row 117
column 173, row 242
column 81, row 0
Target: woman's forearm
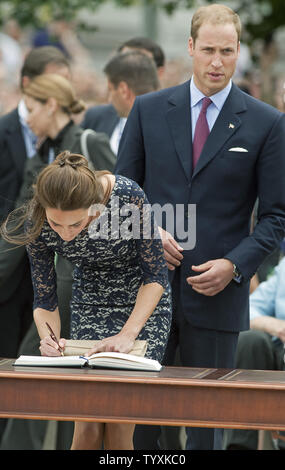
column 41, row 316
column 147, row 299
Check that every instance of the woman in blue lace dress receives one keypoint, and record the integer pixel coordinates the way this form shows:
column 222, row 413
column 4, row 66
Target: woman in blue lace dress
column 104, row 226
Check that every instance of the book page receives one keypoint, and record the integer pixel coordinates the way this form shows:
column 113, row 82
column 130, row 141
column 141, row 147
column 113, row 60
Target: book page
column 115, row 359
column 49, row 360
column 122, row 356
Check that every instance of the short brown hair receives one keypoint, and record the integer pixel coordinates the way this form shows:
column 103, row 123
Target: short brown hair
column 136, row 69
column 39, row 57
column 145, row 44
column 216, row 14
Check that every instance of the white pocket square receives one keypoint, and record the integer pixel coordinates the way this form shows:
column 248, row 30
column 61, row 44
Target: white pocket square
column 237, row 149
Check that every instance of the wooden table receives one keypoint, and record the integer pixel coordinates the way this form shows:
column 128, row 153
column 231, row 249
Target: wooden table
column 175, row 396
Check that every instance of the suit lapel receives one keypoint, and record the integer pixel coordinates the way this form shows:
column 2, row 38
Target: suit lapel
column 179, row 119
column 224, row 128
column 15, row 142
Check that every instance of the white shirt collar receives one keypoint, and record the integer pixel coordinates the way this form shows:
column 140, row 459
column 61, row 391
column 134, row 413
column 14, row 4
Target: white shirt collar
column 218, row 98
column 23, row 112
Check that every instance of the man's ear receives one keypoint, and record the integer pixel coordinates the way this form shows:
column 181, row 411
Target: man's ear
column 190, row 46
column 238, row 48
column 124, row 89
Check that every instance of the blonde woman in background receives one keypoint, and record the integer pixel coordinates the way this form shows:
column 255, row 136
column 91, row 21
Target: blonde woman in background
column 51, row 102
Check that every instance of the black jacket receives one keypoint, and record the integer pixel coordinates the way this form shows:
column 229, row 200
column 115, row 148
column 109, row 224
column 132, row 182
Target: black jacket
column 12, row 161
column 102, row 157
column 101, row 118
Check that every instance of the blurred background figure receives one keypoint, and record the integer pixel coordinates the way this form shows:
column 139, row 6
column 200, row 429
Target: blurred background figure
column 149, row 47
column 50, row 102
column 12, row 53
column 261, row 347
column 17, row 144
column 128, row 76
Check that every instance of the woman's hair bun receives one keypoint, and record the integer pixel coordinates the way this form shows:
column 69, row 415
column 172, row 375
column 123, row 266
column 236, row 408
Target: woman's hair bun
column 72, row 159
column 77, row 106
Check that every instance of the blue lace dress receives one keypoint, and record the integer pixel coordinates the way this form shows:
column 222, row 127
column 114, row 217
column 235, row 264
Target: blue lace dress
column 112, row 258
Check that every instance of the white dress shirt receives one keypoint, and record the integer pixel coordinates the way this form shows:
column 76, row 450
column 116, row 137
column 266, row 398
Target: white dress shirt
column 218, row 100
column 117, row 134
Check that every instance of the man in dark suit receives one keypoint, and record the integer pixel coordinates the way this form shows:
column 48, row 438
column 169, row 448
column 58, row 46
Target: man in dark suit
column 105, row 118
column 238, row 152
column 17, row 143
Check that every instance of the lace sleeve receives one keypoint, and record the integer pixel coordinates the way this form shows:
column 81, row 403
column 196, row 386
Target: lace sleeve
column 43, row 275
column 149, row 243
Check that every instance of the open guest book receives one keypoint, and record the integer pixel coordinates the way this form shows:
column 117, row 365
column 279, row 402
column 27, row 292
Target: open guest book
column 74, row 356
column 109, row 360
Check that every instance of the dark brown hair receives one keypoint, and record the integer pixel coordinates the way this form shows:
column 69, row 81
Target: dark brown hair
column 66, row 184
column 145, row 44
column 135, row 68
column 39, row 57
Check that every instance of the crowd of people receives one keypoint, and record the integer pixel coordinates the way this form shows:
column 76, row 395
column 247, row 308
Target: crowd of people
column 203, row 142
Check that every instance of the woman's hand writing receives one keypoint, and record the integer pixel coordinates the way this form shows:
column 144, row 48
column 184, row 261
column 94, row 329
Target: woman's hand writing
column 48, row 347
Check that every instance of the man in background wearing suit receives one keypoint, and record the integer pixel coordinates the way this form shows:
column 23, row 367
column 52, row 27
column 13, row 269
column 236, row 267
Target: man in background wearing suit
column 17, row 144
column 216, row 155
column 105, row 118
column 129, row 74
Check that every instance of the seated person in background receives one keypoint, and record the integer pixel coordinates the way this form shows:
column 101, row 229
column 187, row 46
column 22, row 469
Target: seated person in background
column 261, row 347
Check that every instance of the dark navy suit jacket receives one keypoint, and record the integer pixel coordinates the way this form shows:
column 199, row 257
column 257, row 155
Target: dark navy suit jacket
column 156, row 151
column 12, row 163
column 101, row 118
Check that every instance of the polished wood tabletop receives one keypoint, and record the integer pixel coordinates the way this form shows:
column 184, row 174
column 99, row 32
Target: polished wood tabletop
column 181, row 396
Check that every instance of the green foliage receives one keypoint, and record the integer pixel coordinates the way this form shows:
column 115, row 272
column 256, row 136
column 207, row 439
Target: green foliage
column 269, row 15
column 259, row 17
column 37, row 12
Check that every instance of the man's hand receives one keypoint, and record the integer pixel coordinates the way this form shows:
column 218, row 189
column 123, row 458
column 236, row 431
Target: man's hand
column 273, row 326
column 278, row 329
column 172, row 250
column 215, row 276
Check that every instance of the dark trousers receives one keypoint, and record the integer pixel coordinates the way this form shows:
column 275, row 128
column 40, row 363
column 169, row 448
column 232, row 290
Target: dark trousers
column 16, row 314
column 29, row 434
column 16, row 317
column 199, row 347
column 256, row 350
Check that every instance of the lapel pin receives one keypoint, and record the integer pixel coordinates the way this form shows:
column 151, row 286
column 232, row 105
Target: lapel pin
column 231, row 126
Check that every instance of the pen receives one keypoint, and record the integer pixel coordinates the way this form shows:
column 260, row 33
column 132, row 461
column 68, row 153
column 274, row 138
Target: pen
column 54, row 338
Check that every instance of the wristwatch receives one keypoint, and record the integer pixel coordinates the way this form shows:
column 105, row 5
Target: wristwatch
column 237, row 277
